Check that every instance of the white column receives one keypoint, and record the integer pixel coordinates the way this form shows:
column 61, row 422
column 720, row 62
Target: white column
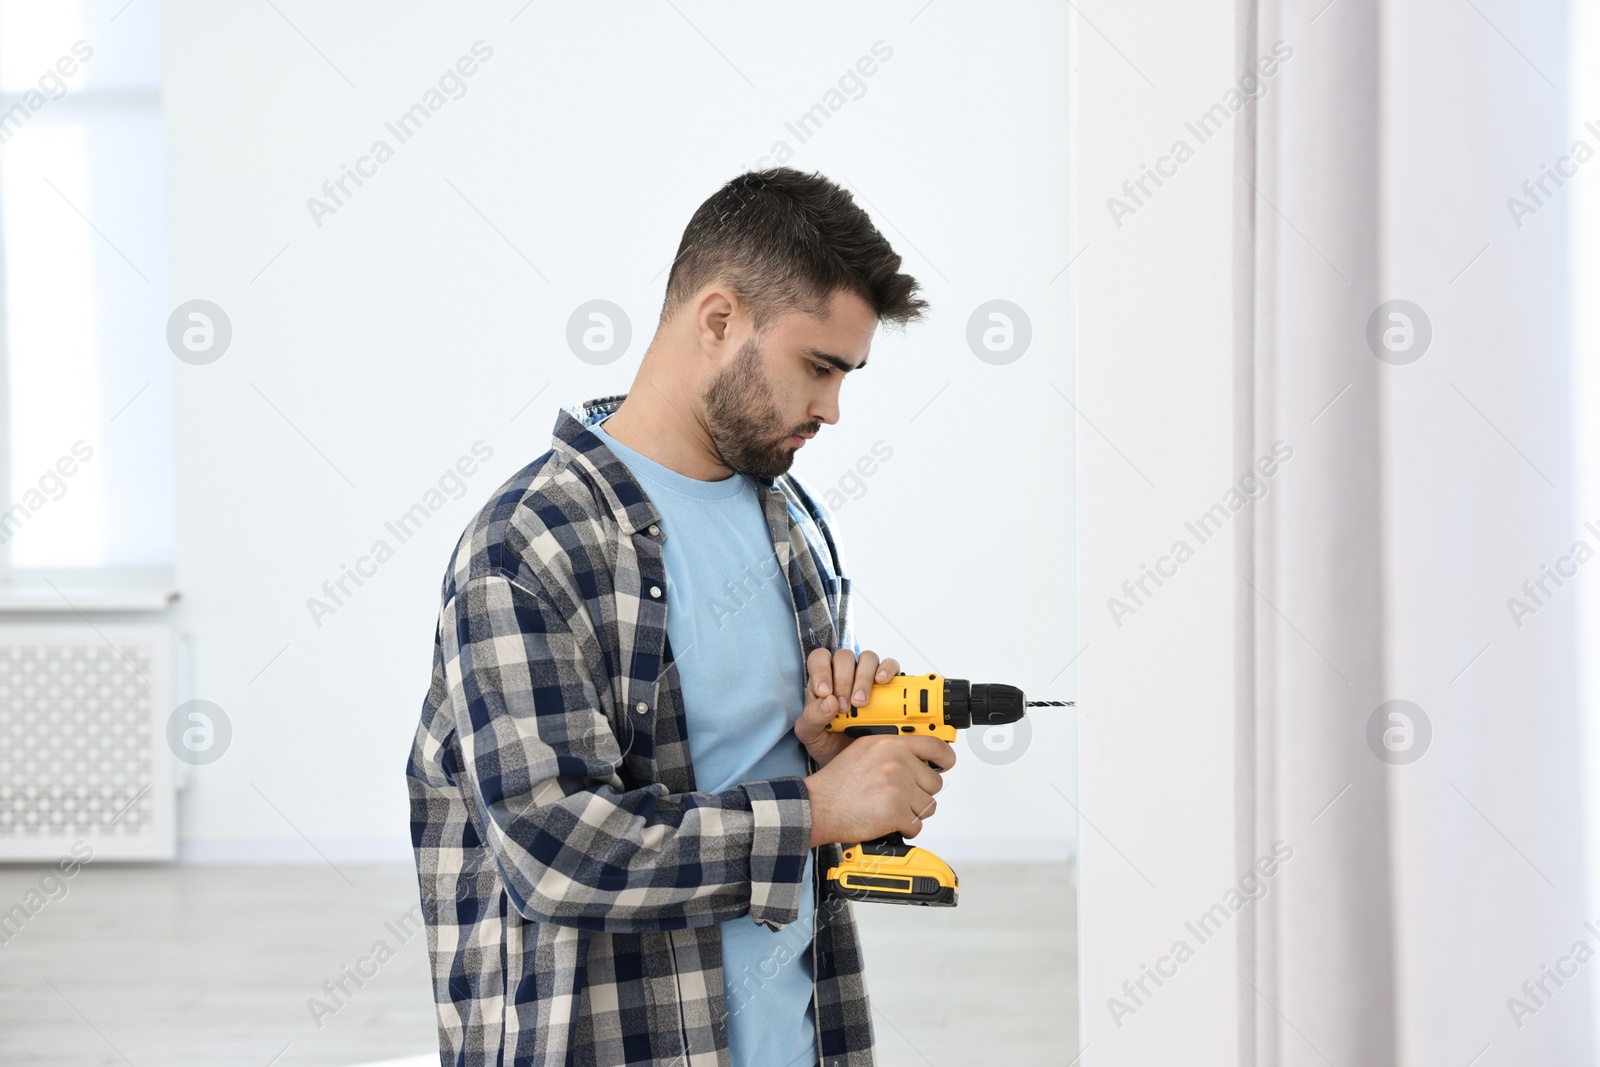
column 1155, row 447
column 1478, row 495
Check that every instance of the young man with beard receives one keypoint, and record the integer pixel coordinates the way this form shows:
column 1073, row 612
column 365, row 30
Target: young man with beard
column 623, row 800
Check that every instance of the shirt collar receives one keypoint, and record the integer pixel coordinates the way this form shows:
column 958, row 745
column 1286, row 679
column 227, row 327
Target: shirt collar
column 628, row 502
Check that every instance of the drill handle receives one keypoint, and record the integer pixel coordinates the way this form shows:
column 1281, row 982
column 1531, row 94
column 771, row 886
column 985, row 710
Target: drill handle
column 890, row 844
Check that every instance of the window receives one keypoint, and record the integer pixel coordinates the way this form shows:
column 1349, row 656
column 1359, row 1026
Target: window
column 86, row 482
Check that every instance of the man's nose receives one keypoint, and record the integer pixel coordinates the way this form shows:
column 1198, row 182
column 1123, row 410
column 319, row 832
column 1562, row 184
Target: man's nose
column 827, row 409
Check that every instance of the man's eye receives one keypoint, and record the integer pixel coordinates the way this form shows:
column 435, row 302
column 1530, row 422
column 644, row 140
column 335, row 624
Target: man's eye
column 820, row 370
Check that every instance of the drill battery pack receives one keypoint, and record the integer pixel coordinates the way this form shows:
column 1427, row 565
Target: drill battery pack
column 889, row 871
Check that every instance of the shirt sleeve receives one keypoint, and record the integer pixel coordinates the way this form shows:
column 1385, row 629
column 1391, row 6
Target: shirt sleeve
column 539, row 772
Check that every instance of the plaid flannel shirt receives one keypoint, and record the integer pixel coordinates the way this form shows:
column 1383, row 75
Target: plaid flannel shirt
column 572, row 877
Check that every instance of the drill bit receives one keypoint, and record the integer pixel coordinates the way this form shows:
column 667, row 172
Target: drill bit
column 1052, row 703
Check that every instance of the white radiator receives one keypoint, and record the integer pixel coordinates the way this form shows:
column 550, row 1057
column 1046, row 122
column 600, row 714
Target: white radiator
column 83, row 750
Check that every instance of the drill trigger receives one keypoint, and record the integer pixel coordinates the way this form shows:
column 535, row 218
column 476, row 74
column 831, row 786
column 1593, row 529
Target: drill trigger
column 862, row 731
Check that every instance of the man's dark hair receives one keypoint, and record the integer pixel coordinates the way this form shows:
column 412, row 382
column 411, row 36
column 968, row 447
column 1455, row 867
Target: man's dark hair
column 784, row 241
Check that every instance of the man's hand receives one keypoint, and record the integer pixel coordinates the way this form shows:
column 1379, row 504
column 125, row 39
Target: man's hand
column 831, row 679
column 877, row 785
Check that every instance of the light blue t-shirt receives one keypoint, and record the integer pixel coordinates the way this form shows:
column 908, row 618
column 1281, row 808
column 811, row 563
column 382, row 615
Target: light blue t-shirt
column 731, row 624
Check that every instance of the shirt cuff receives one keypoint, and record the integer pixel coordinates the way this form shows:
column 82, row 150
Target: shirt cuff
column 782, row 838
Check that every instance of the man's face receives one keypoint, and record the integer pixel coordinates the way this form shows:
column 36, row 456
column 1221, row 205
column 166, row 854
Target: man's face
column 786, row 383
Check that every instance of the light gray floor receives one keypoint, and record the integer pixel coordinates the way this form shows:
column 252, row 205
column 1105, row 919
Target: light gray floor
column 180, row 966
column 992, row 981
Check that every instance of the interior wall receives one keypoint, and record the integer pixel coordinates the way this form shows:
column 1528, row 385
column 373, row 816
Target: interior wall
column 1312, row 590
column 1425, row 894
column 419, row 319
column 1479, row 490
column 1155, row 442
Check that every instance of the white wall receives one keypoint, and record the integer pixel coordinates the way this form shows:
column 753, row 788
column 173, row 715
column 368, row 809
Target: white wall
column 429, row 313
column 1155, row 444
column 1584, row 44
column 1479, row 872
column 1477, row 501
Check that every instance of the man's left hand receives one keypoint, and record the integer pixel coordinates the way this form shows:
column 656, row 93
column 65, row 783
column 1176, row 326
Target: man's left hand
column 832, row 678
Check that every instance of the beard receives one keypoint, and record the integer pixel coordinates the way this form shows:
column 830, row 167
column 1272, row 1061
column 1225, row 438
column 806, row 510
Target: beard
column 747, row 430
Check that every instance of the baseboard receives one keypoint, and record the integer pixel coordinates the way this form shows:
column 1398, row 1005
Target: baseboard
column 292, row 850
column 1001, row 849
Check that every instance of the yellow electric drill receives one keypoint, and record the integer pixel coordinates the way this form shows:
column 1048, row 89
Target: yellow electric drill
column 888, row 869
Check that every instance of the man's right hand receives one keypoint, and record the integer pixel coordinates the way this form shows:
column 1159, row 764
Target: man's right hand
column 877, row 784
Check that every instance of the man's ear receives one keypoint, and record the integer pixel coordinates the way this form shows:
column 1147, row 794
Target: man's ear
column 718, row 315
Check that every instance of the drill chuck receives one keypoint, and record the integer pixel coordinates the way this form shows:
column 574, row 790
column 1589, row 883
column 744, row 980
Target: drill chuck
column 968, row 704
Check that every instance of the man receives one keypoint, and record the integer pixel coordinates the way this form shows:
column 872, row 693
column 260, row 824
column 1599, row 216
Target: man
column 623, row 800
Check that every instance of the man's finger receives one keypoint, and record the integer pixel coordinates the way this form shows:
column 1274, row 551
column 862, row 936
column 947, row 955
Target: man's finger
column 820, row 710
column 844, row 675
column 921, row 809
column 932, row 749
column 887, row 670
column 820, row 672
column 866, row 670
column 928, row 779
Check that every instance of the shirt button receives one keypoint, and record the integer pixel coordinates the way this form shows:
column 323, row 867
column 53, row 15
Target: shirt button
column 654, row 529
column 641, row 707
column 655, row 591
